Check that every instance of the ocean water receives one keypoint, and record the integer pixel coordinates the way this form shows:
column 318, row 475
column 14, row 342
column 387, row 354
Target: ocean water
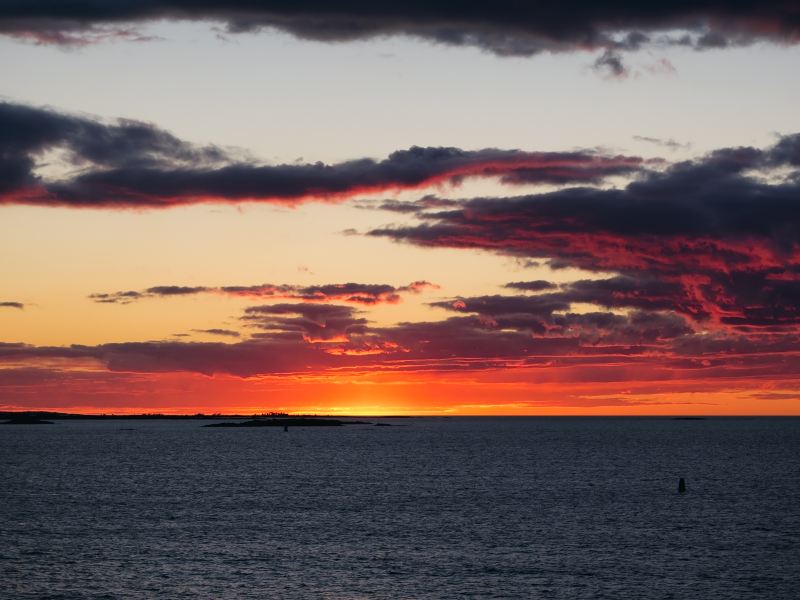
column 429, row 508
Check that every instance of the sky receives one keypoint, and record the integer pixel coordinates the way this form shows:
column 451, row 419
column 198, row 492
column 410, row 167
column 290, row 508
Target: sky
column 561, row 208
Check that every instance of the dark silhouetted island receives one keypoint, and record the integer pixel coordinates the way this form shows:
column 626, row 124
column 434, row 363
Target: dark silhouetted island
column 264, row 419
column 26, row 420
column 289, row 422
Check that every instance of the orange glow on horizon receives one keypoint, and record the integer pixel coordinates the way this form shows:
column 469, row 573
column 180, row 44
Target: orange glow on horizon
column 484, row 394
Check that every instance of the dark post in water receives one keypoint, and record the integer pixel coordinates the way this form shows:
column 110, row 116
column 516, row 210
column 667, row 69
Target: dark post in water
column 681, row 486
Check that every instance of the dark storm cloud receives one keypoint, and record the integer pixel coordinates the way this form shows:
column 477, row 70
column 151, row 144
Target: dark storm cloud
column 17, row 305
column 356, row 293
column 128, row 164
column 506, row 27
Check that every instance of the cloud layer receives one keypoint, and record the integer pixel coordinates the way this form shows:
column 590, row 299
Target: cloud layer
column 130, row 164
column 355, row 293
column 714, row 239
column 695, row 265
column 538, row 335
column 697, row 269
column 504, row 28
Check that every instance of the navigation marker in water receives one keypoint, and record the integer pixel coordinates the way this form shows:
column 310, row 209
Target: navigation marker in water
column 681, row 486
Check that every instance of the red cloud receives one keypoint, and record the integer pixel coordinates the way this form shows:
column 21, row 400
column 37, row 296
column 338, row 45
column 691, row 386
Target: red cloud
column 704, row 238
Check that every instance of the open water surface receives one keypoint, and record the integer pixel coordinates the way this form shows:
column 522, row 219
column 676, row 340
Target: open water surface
column 429, row 508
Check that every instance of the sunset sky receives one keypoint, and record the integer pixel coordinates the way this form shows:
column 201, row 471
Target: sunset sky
column 569, row 208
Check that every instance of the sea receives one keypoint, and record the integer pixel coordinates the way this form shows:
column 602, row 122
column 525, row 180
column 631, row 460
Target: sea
column 424, row 508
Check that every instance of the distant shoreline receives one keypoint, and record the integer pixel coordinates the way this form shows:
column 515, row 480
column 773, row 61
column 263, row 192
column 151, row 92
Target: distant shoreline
column 5, row 415
column 159, row 416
